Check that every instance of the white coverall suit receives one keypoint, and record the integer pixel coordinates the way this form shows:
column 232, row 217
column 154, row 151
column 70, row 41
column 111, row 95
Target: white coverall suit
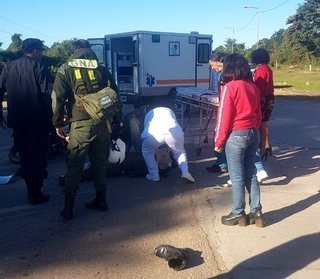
column 161, row 126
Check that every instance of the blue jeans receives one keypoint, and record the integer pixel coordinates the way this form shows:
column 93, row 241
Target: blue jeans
column 258, row 162
column 241, row 148
column 221, row 160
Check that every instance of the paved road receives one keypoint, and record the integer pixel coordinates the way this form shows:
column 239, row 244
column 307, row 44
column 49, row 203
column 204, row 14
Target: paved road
column 34, row 243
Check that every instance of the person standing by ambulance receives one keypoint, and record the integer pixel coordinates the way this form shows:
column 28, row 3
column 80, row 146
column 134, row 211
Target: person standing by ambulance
column 82, row 75
column 263, row 78
column 27, row 83
column 216, row 67
column 237, row 131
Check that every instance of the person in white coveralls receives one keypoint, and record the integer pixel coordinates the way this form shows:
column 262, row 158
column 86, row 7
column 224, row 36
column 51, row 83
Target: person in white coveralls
column 161, row 126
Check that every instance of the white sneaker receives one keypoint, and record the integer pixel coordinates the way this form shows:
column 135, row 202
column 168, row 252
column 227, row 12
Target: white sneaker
column 153, row 177
column 262, row 175
column 225, row 185
column 188, row 177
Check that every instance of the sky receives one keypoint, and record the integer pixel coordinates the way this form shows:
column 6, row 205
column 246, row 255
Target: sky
column 58, row 20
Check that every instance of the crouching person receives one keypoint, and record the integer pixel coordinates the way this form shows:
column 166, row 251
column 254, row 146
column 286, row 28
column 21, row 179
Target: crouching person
column 161, row 126
column 78, row 77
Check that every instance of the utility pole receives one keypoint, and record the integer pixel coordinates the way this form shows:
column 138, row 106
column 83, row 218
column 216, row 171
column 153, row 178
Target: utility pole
column 257, row 14
column 231, row 28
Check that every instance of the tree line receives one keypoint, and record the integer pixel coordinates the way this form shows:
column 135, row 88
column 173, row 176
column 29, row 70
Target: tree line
column 298, row 45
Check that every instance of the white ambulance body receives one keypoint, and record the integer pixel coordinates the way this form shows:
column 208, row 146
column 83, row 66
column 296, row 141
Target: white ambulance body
column 147, row 64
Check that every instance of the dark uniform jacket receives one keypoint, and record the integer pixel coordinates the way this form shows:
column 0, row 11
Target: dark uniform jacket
column 26, row 82
column 63, row 100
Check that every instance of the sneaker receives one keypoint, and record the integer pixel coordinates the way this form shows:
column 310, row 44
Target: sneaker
column 262, row 175
column 188, row 177
column 225, row 185
column 152, row 177
column 216, row 168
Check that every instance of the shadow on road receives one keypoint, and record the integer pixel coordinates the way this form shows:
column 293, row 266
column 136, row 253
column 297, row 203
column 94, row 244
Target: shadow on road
column 293, row 255
column 275, row 216
column 34, row 239
column 289, row 163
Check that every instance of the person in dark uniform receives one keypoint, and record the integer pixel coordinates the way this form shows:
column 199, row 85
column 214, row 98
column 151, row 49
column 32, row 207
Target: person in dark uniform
column 26, row 82
column 133, row 127
column 82, row 75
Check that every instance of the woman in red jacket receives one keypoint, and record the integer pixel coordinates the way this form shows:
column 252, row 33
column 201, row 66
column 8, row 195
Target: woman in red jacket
column 237, row 130
column 263, row 78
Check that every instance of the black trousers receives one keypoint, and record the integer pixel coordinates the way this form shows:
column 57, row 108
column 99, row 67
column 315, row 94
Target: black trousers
column 32, row 145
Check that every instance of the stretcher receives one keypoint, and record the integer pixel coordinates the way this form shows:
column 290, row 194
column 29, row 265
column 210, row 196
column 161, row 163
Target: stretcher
column 205, row 102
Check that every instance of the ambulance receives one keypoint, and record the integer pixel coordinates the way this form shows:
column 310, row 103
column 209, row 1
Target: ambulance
column 147, row 64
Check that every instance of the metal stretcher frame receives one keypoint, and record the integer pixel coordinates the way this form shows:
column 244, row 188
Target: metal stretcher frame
column 207, row 113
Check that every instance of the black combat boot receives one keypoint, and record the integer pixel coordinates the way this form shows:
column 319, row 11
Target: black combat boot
column 37, row 198
column 176, row 257
column 67, row 212
column 100, row 202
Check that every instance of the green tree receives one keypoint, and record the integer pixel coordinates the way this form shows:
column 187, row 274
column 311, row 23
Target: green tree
column 304, row 27
column 275, row 49
column 57, row 54
column 231, row 44
column 15, row 44
column 60, row 51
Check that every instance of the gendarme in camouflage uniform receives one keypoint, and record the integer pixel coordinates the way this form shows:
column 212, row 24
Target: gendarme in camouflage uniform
column 87, row 136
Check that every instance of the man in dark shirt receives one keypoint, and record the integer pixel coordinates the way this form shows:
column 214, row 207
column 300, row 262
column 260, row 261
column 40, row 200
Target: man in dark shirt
column 26, row 82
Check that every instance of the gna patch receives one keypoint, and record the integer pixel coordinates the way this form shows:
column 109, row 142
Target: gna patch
column 83, row 63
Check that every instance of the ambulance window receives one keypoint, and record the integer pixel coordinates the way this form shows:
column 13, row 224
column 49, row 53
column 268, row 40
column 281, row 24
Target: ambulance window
column 203, row 53
column 99, row 51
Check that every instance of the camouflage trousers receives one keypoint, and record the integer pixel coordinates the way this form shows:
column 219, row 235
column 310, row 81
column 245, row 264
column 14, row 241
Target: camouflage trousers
column 87, row 138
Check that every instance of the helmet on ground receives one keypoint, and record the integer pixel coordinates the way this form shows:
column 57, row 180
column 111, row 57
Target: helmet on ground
column 117, row 151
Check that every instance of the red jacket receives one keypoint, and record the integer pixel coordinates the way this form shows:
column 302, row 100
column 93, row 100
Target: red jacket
column 263, row 79
column 239, row 109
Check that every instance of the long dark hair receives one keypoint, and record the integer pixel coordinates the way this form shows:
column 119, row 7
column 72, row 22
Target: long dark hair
column 236, row 67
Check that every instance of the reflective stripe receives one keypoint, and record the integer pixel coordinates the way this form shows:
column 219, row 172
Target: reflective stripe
column 91, row 75
column 218, row 122
column 77, row 73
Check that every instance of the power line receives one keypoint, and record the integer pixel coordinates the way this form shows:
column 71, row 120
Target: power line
column 26, row 27
column 275, row 7
column 5, row 32
column 247, row 23
column 265, row 11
